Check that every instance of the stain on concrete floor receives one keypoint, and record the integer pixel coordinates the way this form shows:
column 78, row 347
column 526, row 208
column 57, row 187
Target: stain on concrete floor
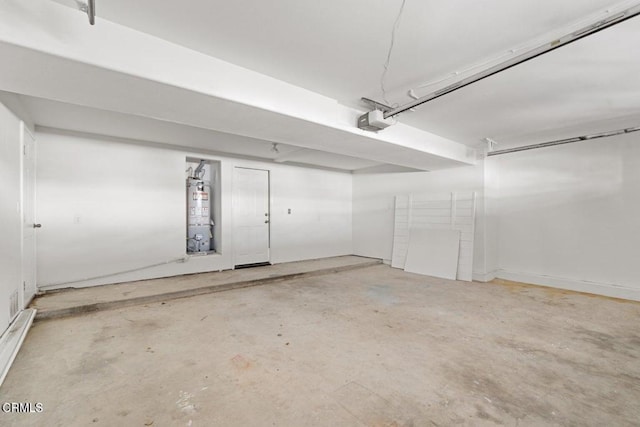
column 370, row 347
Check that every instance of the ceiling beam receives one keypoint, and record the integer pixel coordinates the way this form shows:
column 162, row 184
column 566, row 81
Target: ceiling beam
column 101, row 67
column 291, row 155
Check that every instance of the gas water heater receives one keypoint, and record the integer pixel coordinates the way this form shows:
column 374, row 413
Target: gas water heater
column 199, row 223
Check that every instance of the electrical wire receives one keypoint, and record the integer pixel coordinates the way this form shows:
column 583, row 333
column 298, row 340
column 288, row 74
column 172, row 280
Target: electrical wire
column 396, row 24
column 104, row 276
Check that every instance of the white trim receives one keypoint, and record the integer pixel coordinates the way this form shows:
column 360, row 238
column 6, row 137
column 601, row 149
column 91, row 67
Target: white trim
column 12, row 339
column 26, row 128
column 605, row 289
column 26, row 299
column 484, row 277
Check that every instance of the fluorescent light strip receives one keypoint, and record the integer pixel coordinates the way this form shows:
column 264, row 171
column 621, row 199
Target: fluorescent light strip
column 565, row 141
column 534, row 52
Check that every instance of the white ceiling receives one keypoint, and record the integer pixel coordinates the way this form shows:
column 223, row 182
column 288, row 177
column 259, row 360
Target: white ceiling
column 338, row 48
column 152, row 90
column 59, row 115
column 587, row 87
column 50, row 53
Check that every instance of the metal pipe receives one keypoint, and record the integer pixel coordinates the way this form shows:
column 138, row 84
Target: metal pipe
column 91, row 11
column 88, row 7
column 565, row 141
column 527, row 56
column 196, row 173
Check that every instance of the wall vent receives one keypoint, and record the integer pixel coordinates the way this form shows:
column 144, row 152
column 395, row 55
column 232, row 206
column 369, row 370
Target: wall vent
column 13, row 305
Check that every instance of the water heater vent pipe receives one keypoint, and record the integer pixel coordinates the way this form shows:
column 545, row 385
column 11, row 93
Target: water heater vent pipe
column 196, row 173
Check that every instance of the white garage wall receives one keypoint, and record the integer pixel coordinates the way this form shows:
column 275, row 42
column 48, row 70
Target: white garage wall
column 10, row 219
column 373, row 207
column 564, row 216
column 108, row 206
column 570, row 216
column 320, row 221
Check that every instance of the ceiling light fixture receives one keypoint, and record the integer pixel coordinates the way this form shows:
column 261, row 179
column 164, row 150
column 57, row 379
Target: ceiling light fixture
column 529, row 54
column 596, row 23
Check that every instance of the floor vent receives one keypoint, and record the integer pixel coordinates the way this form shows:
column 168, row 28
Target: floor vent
column 257, row 264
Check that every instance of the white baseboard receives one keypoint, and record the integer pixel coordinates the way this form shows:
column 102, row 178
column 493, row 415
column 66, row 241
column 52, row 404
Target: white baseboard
column 484, row 277
column 12, row 339
column 606, row 289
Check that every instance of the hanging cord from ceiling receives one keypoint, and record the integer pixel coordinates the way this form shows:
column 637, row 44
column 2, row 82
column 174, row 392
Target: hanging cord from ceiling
column 396, row 24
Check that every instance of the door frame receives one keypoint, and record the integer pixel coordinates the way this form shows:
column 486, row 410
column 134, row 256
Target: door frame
column 234, row 194
column 26, row 295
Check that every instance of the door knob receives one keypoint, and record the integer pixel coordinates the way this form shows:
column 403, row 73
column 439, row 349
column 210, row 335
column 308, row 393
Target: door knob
column 37, row 225
column 266, row 221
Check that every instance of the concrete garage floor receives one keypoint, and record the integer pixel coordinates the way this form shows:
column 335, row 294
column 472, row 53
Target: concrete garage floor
column 369, row 347
column 70, row 301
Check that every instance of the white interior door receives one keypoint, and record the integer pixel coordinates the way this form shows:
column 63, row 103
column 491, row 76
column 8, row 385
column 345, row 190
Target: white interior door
column 251, row 216
column 28, row 216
